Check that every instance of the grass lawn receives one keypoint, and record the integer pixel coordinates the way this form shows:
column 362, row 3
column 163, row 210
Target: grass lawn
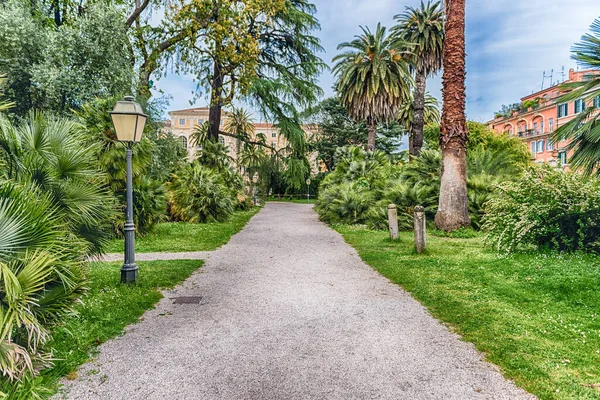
column 106, row 309
column 182, row 236
column 537, row 316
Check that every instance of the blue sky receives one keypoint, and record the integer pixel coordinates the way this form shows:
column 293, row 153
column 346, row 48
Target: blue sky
column 509, row 46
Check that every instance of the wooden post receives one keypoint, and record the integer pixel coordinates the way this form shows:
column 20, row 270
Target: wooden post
column 393, row 221
column 420, row 229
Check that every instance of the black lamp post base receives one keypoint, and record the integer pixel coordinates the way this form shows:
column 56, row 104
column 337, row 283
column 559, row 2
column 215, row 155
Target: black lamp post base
column 129, row 273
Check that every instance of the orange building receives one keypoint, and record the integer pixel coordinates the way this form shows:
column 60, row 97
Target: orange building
column 542, row 116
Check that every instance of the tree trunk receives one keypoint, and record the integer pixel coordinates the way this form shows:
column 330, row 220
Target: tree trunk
column 416, row 128
column 216, row 102
column 56, row 7
column 452, row 212
column 372, row 126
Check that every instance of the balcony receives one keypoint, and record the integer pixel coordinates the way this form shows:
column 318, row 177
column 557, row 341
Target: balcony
column 530, row 133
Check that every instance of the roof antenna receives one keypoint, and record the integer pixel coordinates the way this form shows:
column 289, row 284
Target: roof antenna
column 563, row 73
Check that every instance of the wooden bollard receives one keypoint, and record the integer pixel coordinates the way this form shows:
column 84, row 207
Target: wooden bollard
column 420, row 229
column 393, row 221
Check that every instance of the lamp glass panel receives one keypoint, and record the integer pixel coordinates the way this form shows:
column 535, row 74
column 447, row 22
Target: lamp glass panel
column 124, row 126
column 140, row 128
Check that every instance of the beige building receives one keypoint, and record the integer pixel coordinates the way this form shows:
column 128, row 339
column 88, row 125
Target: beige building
column 184, row 122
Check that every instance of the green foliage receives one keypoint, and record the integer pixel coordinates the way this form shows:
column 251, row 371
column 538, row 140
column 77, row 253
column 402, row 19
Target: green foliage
column 423, row 28
column 149, row 165
column 366, row 183
column 527, row 104
column 431, row 112
column 52, row 155
column 372, row 77
column 347, row 193
column 508, row 110
column 199, row 194
column 150, row 199
column 583, row 131
column 547, row 208
column 4, row 105
column 480, row 136
column 337, row 129
column 41, row 277
column 58, row 69
column 168, row 155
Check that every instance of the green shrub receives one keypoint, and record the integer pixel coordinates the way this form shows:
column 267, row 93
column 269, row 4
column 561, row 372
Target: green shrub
column 52, row 155
column 547, row 208
column 377, row 182
column 41, row 277
column 151, row 165
column 345, row 203
column 199, row 194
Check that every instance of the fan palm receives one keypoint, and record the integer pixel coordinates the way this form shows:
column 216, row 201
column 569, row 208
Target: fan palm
column 50, row 154
column 423, row 27
column 373, row 78
column 583, row 132
column 199, row 194
column 41, row 275
column 452, row 211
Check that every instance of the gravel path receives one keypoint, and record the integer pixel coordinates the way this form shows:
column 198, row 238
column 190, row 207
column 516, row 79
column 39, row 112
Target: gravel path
column 289, row 311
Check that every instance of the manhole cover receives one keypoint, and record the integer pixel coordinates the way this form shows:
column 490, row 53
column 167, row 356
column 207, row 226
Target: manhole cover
column 187, row 300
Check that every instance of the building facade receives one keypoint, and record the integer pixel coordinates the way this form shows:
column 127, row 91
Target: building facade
column 183, row 123
column 542, row 116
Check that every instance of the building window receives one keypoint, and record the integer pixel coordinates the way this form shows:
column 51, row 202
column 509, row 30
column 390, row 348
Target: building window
column 551, row 124
column 221, row 122
column 597, row 101
column 181, row 121
column 273, row 135
column 539, row 148
column 563, row 110
column 274, row 144
column 562, row 157
column 535, row 127
column 542, row 127
column 550, row 145
column 184, row 141
column 200, row 121
column 221, row 140
column 533, row 148
column 579, row 106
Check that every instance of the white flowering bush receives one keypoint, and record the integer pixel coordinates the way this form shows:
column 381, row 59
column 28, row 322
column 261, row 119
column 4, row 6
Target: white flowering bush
column 547, row 208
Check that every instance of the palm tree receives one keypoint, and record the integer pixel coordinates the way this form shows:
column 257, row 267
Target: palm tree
column 583, row 132
column 240, row 124
column 372, row 79
column 424, row 28
column 431, row 112
column 452, row 212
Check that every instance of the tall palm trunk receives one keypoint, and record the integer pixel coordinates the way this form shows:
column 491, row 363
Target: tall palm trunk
column 452, row 212
column 216, row 102
column 372, row 127
column 416, row 128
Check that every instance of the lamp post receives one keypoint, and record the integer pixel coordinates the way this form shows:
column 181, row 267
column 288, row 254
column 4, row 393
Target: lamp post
column 308, row 190
column 129, row 120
